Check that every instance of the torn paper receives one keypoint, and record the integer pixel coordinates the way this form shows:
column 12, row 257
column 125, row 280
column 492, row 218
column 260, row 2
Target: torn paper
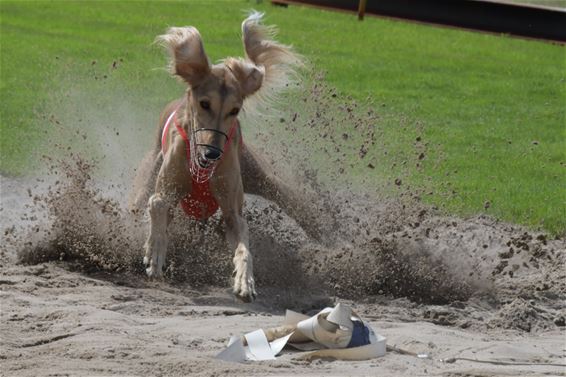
column 334, row 333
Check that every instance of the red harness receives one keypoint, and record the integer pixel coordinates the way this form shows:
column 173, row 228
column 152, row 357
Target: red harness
column 200, row 203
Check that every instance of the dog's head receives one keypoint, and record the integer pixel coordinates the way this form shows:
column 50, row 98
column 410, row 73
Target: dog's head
column 217, row 92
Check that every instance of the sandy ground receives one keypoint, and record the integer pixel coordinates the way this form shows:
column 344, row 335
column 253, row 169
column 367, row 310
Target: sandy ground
column 58, row 323
column 59, row 318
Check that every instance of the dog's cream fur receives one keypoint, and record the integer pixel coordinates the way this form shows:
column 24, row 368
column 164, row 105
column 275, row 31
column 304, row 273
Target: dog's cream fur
column 226, row 87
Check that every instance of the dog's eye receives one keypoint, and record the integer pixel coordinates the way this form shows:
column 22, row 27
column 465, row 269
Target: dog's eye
column 205, row 105
column 234, row 111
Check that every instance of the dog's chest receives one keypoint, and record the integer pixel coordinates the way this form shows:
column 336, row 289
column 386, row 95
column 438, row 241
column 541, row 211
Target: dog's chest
column 200, row 203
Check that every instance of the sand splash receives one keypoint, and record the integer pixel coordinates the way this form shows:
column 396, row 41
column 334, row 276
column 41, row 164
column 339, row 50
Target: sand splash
column 378, row 238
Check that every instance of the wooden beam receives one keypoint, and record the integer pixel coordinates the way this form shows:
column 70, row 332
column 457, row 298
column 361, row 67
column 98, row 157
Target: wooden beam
column 361, row 9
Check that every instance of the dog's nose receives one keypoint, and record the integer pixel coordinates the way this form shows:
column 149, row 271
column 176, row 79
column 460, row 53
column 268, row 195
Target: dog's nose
column 211, row 154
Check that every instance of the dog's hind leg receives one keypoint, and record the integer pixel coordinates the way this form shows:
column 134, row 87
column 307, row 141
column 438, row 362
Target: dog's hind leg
column 259, row 179
column 173, row 183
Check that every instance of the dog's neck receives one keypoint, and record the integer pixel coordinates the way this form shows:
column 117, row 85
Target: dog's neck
column 185, row 116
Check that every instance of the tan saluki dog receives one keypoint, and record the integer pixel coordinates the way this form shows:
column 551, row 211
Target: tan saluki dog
column 199, row 145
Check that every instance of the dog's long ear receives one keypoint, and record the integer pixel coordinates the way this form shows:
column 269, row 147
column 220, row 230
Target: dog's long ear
column 262, row 49
column 188, row 59
column 248, row 74
column 278, row 62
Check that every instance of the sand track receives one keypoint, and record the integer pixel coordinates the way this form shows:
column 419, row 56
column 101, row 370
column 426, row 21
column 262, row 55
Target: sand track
column 438, row 288
column 57, row 322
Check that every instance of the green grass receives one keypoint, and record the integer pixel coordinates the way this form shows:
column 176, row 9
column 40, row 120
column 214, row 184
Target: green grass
column 482, row 99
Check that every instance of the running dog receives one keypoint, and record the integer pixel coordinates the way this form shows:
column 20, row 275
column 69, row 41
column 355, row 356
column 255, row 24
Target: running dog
column 200, row 161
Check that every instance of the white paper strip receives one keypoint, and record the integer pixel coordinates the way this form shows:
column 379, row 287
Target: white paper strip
column 278, row 344
column 292, row 318
column 235, row 352
column 258, row 347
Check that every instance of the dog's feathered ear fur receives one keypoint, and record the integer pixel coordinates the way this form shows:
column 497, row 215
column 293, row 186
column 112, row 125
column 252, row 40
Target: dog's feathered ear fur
column 248, row 74
column 278, row 62
column 188, row 59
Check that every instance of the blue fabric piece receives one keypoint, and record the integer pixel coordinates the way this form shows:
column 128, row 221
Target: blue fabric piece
column 360, row 335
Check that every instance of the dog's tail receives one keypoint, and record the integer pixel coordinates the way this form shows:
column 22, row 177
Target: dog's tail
column 280, row 62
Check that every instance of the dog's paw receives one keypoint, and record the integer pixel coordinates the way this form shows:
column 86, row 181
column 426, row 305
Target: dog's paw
column 154, row 258
column 246, row 292
column 152, row 270
column 244, row 285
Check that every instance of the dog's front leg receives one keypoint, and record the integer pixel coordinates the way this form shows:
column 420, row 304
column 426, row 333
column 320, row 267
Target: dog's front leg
column 237, row 234
column 156, row 243
column 172, row 184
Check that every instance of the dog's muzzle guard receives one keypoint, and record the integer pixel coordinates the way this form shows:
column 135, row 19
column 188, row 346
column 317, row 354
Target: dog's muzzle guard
column 201, row 167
